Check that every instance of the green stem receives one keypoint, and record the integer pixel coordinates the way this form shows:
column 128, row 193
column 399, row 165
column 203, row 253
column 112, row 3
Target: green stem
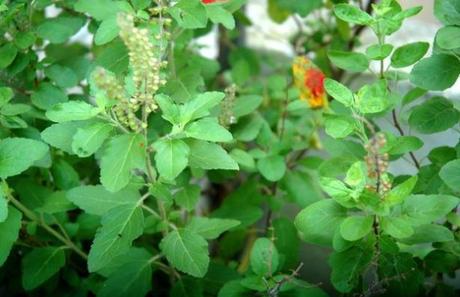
column 34, row 217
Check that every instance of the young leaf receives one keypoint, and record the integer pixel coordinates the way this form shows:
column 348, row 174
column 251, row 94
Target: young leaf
column 446, row 68
column 208, row 129
column 89, row 139
column 171, row 157
column 120, row 226
column 379, row 52
column 107, row 31
column 187, row 251
column 264, row 257
column 272, row 167
column 429, row 233
column 209, row 156
column 318, row 222
column 41, row 264
column 352, row 14
column 408, row 54
column 356, row 227
column 401, row 191
column 123, row 154
column 199, row 106
column 170, row 111
column 98, row 201
column 6, row 94
column 339, row 92
column 9, row 232
column 211, row 228
column 18, row 154
column 339, row 126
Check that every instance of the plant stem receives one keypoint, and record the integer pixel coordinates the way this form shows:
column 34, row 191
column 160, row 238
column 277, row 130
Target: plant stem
column 401, row 132
column 34, row 217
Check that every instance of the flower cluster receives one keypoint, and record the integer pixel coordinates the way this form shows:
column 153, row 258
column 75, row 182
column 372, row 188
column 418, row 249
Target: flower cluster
column 309, row 79
column 226, row 116
column 377, row 164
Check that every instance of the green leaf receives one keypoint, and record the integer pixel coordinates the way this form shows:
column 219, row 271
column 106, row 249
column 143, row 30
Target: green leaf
column 379, row 51
column 211, row 228
column 107, row 31
column 10, row 109
column 450, row 174
column 99, row 9
column 47, row 96
column 429, row 233
column 72, row 111
column 243, row 158
column 186, row 251
column 7, row 54
column 41, row 264
column 170, row 110
column 122, row 154
column 434, row 115
column 397, row 227
column 246, row 104
column 24, row 40
column 61, row 135
column 352, row 14
column 18, row 154
column 446, row 68
column 373, row 98
column 208, row 129
column 272, row 168
column 319, row 221
column 199, row 106
column 3, row 207
column 113, row 57
column 339, row 92
column 6, row 94
column 405, row 144
column 447, row 11
column 9, row 232
column 347, row 267
column 408, row 54
column 60, row 29
column 188, row 196
column 218, row 15
column 120, row 226
column 90, row 138
column 133, row 278
column 352, row 62
column 210, row 156
column 339, row 126
column 189, row 14
column 301, row 187
column 448, row 37
column 356, row 227
column 63, row 76
column 423, row 209
column 264, row 257
column 171, row 157
column 401, row 191
column 97, row 200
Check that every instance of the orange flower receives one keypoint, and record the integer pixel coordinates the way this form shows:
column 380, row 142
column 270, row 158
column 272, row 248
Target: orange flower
column 309, row 79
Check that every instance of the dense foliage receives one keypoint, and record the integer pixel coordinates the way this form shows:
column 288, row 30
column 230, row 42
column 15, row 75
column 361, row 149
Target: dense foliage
column 132, row 165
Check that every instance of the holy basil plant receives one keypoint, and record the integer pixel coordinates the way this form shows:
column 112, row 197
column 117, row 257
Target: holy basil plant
column 134, row 164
